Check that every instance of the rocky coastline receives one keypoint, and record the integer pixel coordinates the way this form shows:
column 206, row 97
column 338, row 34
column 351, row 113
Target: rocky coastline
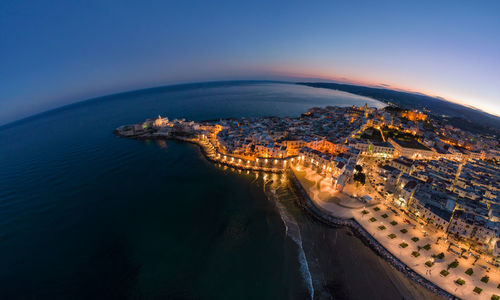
column 308, row 206
column 196, row 141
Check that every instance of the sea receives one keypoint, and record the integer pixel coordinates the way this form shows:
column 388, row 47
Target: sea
column 85, row 214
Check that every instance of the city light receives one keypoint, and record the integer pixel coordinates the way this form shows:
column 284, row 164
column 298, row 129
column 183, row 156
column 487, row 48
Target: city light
column 338, row 169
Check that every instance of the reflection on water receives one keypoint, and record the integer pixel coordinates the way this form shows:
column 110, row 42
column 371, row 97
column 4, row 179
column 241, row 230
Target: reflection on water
column 85, row 213
column 162, row 143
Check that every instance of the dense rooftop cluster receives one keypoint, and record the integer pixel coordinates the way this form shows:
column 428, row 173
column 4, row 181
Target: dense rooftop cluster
column 460, row 197
column 446, row 176
column 321, row 129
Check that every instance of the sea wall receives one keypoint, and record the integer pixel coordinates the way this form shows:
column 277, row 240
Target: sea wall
column 305, row 202
column 210, row 157
column 214, row 159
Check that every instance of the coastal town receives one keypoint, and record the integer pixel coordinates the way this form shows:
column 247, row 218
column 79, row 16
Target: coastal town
column 425, row 193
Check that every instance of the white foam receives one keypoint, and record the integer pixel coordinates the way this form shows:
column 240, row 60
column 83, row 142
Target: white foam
column 292, row 230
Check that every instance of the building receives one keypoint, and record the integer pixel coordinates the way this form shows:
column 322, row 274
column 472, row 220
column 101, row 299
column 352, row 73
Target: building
column 471, row 227
column 411, row 149
column 373, row 148
column 318, row 161
column 414, row 115
column 403, row 164
column 381, row 149
column 293, row 146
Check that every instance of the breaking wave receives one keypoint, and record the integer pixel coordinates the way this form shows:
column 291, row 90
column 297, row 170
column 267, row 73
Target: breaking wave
column 292, row 230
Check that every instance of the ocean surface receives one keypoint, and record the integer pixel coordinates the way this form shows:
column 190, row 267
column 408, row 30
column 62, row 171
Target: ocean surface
column 85, row 214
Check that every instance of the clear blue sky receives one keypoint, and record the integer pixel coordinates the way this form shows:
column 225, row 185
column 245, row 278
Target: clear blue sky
column 57, row 52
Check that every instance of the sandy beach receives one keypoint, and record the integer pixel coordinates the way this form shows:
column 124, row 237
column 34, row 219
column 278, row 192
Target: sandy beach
column 340, row 264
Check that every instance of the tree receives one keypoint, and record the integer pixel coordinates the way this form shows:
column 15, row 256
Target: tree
column 360, row 177
column 358, row 168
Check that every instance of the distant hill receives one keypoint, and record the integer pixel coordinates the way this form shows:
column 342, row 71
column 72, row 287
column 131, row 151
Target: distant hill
column 464, row 117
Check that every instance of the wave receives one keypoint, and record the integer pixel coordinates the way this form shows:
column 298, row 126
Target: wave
column 292, row 230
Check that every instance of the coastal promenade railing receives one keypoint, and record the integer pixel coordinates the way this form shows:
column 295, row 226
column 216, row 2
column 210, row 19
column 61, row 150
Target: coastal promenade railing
column 323, row 216
column 274, row 165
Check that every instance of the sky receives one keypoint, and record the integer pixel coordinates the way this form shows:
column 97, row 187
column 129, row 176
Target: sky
column 53, row 53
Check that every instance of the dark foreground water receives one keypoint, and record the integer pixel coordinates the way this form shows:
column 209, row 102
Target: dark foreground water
column 85, row 214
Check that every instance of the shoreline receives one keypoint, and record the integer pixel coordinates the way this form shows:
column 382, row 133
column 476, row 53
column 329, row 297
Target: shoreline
column 310, row 208
column 204, row 150
column 306, row 204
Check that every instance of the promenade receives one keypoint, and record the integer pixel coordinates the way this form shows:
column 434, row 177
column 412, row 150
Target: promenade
column 409, row 242
column 409, row 246
column 275, row 165
column 263, row 164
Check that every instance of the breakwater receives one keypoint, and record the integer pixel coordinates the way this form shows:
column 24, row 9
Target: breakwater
column 305, row 202
column 214, row 156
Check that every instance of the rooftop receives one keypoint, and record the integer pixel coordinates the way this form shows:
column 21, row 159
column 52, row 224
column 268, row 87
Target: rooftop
column 413, row 144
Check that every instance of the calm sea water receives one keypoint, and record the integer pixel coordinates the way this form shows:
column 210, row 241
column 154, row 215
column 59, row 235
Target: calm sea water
column 85, row 214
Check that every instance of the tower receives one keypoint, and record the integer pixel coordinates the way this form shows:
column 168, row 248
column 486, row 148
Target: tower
column 158, row 122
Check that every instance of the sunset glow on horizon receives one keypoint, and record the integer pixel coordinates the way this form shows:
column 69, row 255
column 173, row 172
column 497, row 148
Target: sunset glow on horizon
column 442, row 94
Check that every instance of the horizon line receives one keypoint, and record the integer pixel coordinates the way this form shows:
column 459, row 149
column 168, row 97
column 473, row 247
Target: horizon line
column 292, row 80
